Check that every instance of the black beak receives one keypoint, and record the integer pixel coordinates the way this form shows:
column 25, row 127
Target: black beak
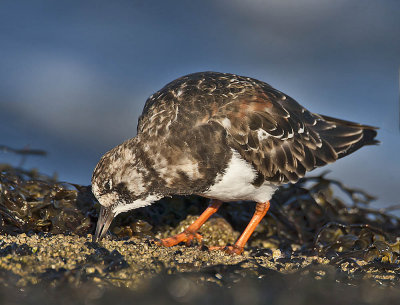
column 106, row 216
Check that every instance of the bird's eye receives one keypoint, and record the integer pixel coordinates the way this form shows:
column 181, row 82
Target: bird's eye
column 108, row 185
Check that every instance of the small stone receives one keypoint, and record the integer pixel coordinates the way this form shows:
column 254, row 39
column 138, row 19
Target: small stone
column 276, row 253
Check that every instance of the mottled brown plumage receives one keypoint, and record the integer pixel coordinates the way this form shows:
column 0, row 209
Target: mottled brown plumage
column 279, row 137
column 222, row 136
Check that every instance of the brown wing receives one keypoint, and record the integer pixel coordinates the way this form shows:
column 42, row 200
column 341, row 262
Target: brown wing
column 282, row 139
column 277, row 135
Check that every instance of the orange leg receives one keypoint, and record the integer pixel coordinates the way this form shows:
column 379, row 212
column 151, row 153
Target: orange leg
column 237, row 248
column 191, row 232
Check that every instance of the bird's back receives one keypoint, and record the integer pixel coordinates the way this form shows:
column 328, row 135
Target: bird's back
column 201, row 117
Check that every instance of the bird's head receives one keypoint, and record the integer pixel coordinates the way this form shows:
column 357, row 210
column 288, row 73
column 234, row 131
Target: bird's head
column 118, row 183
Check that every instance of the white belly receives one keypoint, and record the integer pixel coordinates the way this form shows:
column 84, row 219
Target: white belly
column 236, row 183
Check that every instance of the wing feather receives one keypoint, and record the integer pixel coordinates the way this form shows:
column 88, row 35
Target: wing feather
column 282, row 139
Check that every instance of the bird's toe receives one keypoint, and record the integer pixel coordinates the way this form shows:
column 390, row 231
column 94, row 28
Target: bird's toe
column 228, row 249
column 186, row 236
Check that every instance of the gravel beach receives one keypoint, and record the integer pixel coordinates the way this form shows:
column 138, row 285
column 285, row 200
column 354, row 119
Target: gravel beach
column 312, row 247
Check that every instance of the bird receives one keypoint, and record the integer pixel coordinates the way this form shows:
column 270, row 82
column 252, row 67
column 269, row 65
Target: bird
column 222, row 136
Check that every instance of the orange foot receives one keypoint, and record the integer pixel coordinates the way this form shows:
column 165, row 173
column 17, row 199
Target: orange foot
column 228, row 249
column 186, row 237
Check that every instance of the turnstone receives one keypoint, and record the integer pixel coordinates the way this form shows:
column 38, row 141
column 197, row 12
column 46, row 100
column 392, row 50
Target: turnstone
column 220, row 136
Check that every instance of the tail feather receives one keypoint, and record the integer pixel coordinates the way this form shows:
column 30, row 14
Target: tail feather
column 346, row 137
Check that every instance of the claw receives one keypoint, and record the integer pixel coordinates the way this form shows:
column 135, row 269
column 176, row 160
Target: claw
column 228, row 249
column 186, row 237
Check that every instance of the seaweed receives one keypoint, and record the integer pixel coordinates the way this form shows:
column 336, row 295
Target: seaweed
column 33, row 202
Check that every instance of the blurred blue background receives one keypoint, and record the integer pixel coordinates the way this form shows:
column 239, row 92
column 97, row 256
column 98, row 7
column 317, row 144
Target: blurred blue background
column 74, row 75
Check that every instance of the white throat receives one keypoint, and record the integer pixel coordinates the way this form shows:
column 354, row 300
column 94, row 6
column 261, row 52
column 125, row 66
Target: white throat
column 136, row 204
